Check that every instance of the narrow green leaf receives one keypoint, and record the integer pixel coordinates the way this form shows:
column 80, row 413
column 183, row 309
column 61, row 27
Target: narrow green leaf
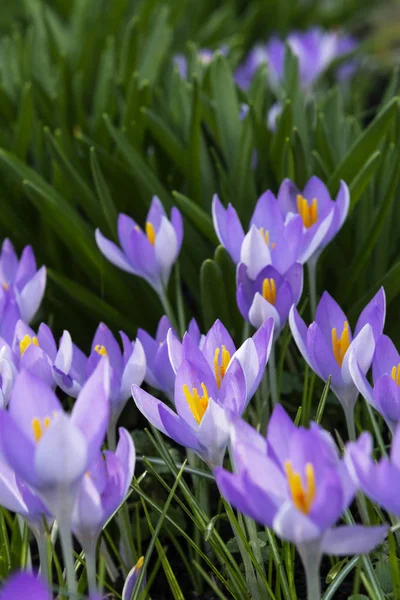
column 363, row 178
column 110, row 212
column 199, row 218
column 23, row 126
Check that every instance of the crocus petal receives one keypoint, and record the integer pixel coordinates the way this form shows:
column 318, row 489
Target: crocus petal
column 166, row 249
column 91, row 410
column 299, row 333
column 126, row 454
column 322, row 356
column 156, row 213
column 112, row 253
column 232, row 489
column 7, row 380
column 352, row 539
column 293, row 526
column 174, row 350
column 228, row 228
column 313, row 239
column 46, row 341
column 24, row 585
column 61, row 455
column 329, row 316
column 26, row 267
column 63, row 358
column 10, row 496
column 261, row 310
column 360, row 381
column 8, row 262
column 233, row 392
column 87, row 517
column 177, row 429
column 31, row 295
column 263, row 471
column 130, row 581
column 148, row 406
column 17, row 448
column 213, row 433
column 363, row 347
column 217, row 336
column 385, row 358
column 134, row 371
column 255, row 253
column 36, row 361
column 387, row 396
column 373, row 314
column 177, row 224
column 280, row 430
column 32, row 399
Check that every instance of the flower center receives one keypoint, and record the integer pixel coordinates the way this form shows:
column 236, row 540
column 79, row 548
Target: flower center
column 151, row 233
column 26, row 341
column 5, row 286
column 38, row 428
column 340, row 345
column 100, row 349
column 396, row 374
column 269, row 290
column 303, row 498
column 309, row 213
column 197, row 404
column 265, row 234
column 220, row 369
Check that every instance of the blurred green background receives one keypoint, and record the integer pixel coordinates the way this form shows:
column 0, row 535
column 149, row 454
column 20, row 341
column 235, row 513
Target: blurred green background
column 94, row 120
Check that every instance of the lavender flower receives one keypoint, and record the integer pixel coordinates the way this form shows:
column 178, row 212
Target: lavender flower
column 24, row 585
column 327, row 345
column 131, row 579
column 210, row 384
column 384, row 396
column 378, row 480
column 295, row 483
column 315, row 50
column 22, row 288
column 151, row 253
column 270, row 294
column 126, row 367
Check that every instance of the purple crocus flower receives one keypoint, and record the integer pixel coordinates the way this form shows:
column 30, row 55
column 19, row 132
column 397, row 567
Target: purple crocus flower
column 210, row 384
column 126, row 367
column 295, row 483
column 327, row 345
column 34, row 352
column 315, row 50
column 204, row 57
column 22, row 288
column 159, row 372
column 270, row 294
column 101, row 492
column 24, row 585
column 379, row 480
column 293, row 227
column 151, row 253
column 48, row 449
column 131, row 580
column 384, row 396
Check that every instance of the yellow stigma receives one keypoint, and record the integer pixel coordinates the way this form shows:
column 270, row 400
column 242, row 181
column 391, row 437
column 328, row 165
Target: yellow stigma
column 26, row 341
column 340, row 345
column 396, row 374
column 151, row 233
column 265, row 234
column 100, row 349
column 38, row 428
column 197, row 404
column 220, row 369
column 309, row 214
column 6, row 286
column 302, row 498
column 139, row 563
column 269, row 290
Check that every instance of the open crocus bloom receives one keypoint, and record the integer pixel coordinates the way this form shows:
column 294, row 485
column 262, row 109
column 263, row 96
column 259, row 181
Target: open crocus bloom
column 126, row 367
column 47, row 448
column 34, row 352
column 150, row 253
column 271, row 239
column 328, row 343
column 159, row 372
column 295, row 483
column 380, row 480
column 315, row 50
column 103, row 489
column 293, row 227
column 210, row 384
column 384, row 396
column 24, row 585
column 270, row 294
column 22, row 288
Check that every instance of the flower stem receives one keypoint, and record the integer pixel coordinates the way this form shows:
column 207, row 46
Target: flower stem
column 312, row 285
column 90, row 559
column 41, row 540
column 351, row 428
column 311, row 556
column 67, row 550
column 273, row 388
column 168, row 309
